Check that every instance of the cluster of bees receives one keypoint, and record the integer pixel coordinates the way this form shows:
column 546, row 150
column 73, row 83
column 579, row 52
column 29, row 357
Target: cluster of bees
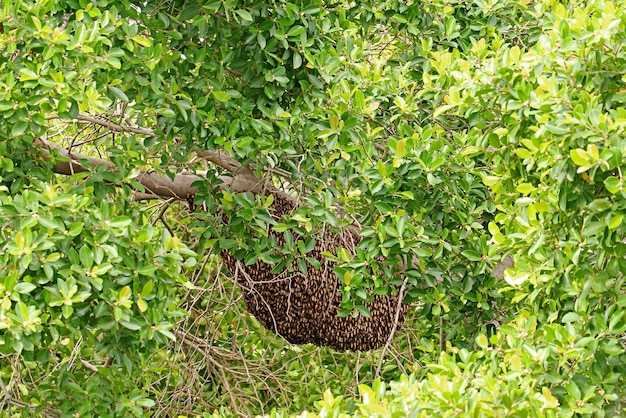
column 302, row 308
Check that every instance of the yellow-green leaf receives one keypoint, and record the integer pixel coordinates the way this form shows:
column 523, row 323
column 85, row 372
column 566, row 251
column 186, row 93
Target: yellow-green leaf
column 347, row 277
column 221, row 96
column 443, row 109
column 142, row 305
column 493, row 228
column 19, row 240
column 142, row 40
column 579, row 156
column 26, row 74
column 482, row 342
column 551, row 401
column 124, row 293
column 490, row 180
column 401, row 147
column 525, row 188
column 616, row 221
column 334, row 122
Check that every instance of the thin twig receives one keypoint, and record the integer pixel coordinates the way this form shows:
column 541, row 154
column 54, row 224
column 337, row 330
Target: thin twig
column 394, row 327
column 161, row 217
column 116, row 127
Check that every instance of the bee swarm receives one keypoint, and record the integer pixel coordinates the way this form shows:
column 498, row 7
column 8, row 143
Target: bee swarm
column 302, row 308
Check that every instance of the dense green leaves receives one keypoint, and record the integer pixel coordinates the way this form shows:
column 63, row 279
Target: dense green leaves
column 453, row 134
column 75, row 282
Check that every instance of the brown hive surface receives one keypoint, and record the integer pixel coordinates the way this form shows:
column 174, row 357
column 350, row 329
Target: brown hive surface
column 302, row 308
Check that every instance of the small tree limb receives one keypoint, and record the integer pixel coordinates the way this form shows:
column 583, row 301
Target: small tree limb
column 157, row 185
column 221, row 159
column 114, row 126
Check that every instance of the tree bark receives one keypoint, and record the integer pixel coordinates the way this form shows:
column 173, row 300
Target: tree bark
column 158, row 186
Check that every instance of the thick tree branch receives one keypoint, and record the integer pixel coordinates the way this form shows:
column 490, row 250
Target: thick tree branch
column 158, row 186
column 225, row 161
column 74, row 165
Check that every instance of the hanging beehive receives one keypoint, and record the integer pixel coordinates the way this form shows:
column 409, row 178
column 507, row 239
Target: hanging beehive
column 302, row 308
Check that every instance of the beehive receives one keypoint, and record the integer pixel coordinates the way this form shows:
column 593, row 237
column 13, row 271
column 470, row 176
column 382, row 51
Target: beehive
column 302, row 308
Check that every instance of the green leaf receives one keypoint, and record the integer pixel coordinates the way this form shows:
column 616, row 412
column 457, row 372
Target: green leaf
column 363, row 311
column 472, row 255
column 147, row 288
column 579, row 157
column 616, row 221
column 295, row 31
column 147, row 270
column 297, row 60
column 221, row 96
column 245, row 15
column 24, row 288
column 399, row 18
column 613, row 184
column 86, row 257
column 19, row 128
column 571, row 317
column 131, row 325
column 119, row 94
column 50, row 223
column 557, row 130
column 120, row 222
column 311, row 9
column 593, row 229
column 191, row 10
column 27, row 74
column 76, row 229
column 524, row 201
column 401, row 147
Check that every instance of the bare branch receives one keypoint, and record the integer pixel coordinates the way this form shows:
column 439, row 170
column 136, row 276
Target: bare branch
column 114, row 126
column 165, row 187
column 221, row 159
column 74, row 165
column 396, row 320
column 161, row 215
column 88, row 365
column 157, row 185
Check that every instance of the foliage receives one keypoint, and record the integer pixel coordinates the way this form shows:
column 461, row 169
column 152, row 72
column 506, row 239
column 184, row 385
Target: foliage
column 78, row 282
column 512, row 374
column 453, row 134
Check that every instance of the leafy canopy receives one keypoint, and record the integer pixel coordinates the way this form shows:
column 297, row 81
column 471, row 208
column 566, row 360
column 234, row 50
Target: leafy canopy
column 450, row 134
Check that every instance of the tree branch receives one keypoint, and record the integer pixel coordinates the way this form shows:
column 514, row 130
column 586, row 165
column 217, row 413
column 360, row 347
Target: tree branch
column 74, row 164
column 221, row 159
column 114, row 126
column 394, row 327
column 158, row 186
